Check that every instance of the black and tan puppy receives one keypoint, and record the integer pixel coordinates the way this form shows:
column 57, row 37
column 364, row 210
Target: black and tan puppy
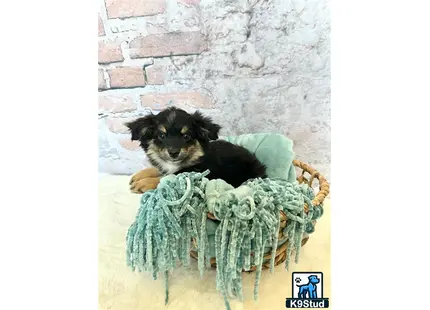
column 176, row 142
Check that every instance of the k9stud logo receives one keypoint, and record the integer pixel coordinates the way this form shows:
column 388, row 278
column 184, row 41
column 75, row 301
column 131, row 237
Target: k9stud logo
column 307, row 291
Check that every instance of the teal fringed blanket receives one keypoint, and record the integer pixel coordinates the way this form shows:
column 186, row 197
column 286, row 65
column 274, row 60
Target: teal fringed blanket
column 176, row 212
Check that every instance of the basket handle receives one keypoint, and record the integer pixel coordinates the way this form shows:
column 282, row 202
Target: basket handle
column 324, row 187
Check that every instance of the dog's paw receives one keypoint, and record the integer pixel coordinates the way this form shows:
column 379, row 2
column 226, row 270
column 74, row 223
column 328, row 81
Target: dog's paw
column 144, row 185
column 143, row 174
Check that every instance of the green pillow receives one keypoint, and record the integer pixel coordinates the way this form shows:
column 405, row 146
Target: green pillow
column 273, row 150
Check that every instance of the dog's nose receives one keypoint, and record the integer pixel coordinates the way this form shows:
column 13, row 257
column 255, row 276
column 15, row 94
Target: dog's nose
column 173, row 153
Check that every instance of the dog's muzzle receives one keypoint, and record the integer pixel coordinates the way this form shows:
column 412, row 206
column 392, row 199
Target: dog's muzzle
column 173, row 153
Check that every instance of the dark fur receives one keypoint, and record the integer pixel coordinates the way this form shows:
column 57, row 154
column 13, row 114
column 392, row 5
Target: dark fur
column 174, row 130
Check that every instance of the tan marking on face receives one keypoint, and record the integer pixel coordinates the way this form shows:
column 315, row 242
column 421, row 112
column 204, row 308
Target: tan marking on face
column 194, row 151
column 155, row 152
column 184, row 130
column 159, row 157
column 162, row 128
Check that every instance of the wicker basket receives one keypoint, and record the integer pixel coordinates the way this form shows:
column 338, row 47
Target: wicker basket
column 324, row 188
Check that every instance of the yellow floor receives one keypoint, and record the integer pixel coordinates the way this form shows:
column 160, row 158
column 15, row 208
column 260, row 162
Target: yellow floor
column 120, row 289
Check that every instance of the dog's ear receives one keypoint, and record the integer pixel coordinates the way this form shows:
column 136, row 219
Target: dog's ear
column 206, row 129
column 142, row 127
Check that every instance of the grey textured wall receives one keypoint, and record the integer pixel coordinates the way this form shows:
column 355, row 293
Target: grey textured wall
column 254, row 66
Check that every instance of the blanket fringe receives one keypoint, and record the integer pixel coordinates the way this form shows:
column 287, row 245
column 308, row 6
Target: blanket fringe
column 176, row 212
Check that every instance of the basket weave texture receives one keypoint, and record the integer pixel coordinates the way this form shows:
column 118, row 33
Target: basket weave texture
column 307, row 176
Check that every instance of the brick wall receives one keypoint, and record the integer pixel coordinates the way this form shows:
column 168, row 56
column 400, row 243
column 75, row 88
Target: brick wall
column 253, row 65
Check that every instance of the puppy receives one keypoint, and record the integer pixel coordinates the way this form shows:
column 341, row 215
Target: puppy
column 177, row 142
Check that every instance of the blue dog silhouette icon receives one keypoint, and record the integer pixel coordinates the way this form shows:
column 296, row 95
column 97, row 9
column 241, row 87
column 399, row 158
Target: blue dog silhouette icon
column 309, row 290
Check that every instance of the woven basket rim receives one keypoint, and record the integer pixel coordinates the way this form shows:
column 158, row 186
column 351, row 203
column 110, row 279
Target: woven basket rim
column 324, row 187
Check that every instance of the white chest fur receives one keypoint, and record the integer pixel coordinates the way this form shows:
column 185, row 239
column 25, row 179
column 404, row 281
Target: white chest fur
column 170, row 167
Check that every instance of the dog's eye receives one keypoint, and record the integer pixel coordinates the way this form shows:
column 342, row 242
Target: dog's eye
column 161, row 135
column 187, row 136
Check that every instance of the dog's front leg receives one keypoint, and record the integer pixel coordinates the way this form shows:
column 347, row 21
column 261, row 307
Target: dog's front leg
column 145, row 180
column 313, row 293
